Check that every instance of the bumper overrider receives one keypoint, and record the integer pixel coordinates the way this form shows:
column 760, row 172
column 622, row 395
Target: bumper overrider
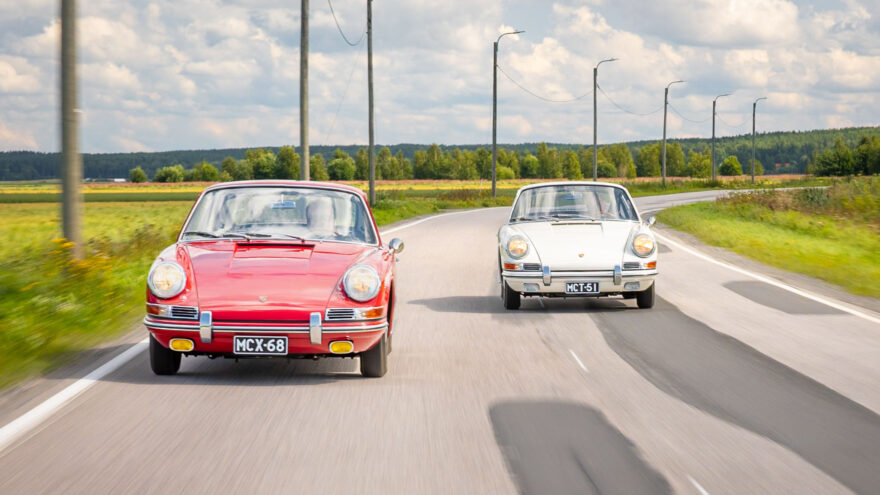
column 309, row 339
column 548, row 282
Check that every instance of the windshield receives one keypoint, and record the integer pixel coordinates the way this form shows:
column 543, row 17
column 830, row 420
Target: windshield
column 291, row 212
column 581, row 201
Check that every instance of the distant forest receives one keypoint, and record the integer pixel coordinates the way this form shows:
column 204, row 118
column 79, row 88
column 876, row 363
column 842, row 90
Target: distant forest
column 778, row 152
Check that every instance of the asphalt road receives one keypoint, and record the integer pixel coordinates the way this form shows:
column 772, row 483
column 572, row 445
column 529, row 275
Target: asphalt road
column 729, row 385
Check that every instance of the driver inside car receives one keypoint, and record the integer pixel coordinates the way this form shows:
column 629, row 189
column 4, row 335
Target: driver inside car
column 320, row 216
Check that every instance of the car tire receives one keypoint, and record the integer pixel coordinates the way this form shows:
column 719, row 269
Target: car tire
column 374, row 363
column 510, row 297
column 163, row 361
column 645, row 298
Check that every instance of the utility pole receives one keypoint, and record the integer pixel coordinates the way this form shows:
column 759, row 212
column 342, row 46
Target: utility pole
column 370, row 92
column 595, row 119
column 754, row 108
column 665, row 104
column 71, row 162
column 304, row 90
column 495, row 105
column 713, row 132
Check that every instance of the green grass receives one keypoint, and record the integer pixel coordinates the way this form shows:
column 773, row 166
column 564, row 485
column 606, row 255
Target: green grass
column 832, row 234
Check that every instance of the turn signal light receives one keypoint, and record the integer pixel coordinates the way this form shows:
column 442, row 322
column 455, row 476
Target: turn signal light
column 373, row 313
column 651, row 264
column 341, row 347
column 511, row 266
column 181, row 345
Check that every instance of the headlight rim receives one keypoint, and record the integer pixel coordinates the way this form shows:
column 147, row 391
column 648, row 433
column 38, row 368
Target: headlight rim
column 348, row 292
column 653, row 245
column 511, row 239
column 176, row 290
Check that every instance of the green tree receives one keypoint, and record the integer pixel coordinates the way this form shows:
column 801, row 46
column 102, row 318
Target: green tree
column 137, row 175
column 699, row 165
column 341, row 167
column 571, row 167
column 504, row 173
column 648, row 161
column 759, row 168
column 384, row 164
column 262, row 163
column 362, row 164
column 287, row 163
column 837, row 160
column 225, row 177
column 620, row 156
column 317, row 169
column 675, row 166
column 464, row 166
column 230, row 167
column 174, row 173
column 205, row 172
column 483, row 162
column 420, row 165
column 867, row 156
column 529, row 166
column 549, row 163
column 403, row 168
column 731, row 166
column 508, row 159
column 605, row 168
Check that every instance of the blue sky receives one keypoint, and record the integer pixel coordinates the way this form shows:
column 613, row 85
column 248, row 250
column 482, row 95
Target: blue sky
column 190, row 74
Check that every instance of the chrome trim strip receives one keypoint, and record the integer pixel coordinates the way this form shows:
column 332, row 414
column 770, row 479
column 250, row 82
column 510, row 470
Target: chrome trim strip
column 579, row 275
column 327, row 311
column 264, row 329
column 170, row 326
column 206, row 331
column 315, row 328
column 617, row 275
column 546, row 275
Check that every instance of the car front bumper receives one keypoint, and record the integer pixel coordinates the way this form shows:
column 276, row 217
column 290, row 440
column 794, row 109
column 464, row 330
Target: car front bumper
column 553, row 283
column 303, row 339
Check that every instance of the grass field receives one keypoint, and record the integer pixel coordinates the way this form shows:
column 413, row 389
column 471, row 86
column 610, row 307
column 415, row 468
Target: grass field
column 50, row 308
column 831, row 234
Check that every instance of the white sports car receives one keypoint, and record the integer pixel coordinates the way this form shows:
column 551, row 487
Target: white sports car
column 582, row 239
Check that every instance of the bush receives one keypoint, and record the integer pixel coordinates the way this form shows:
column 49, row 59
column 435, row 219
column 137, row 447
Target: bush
column 837, row 160
column 174, row 173
column 504, row 173
column 205, row 172
column 605, row 168
column 137, row 175
column 731, row 166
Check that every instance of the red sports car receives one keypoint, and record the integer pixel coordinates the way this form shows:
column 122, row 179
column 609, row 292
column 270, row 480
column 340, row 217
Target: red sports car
column 274, row 268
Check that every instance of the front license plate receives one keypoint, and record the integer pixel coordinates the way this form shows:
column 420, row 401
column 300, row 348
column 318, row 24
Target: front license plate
column 582, row 287
column 260, row 346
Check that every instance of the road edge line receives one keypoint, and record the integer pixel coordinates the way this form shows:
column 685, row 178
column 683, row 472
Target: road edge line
column 767, row 280
column 19, row 427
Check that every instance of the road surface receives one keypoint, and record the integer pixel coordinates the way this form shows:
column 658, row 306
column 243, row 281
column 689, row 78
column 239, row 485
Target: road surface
column 728, row 385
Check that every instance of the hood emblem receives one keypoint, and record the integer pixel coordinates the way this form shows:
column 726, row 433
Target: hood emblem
column 580, row 255
column 263, row 299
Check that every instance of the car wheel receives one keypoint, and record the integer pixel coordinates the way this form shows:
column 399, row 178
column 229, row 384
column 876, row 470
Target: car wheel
column 374, row 363
column 163, row 361
column 645, row 298
column 511, row 297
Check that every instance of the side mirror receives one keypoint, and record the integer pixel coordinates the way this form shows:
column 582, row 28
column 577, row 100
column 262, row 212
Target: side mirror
column 396, row 245
column 651, row 220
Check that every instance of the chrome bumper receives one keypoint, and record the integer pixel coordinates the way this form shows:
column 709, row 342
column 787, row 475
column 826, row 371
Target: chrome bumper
column 315, row 329
column 549, row 282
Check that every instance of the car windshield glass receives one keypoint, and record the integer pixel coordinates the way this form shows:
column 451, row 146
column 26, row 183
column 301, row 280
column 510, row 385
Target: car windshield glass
column 566, row 202
column 283, row 212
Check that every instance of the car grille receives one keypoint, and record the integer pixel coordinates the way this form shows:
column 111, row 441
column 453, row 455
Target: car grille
column 632, row 265
column 339, row 314
column 531, row 267
column 187, row 312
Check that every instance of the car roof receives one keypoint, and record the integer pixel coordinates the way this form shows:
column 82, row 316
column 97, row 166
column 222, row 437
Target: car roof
column 570, row 183
column 288, row 183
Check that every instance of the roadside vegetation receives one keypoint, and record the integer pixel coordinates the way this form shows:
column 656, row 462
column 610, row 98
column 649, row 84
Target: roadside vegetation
column 832, row 234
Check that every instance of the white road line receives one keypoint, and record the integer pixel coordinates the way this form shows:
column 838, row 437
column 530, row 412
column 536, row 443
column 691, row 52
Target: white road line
column 697, row 486
column 770, row 281
column 28, row 421
column 580, row 363
column 33, row 418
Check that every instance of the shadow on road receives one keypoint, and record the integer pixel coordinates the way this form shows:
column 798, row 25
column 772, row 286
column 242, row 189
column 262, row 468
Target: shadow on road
column 492, row 305
column 564, row 447
column 734, row 382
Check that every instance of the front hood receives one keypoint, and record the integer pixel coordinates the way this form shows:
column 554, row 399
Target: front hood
column 268, row 283
column 576, row 246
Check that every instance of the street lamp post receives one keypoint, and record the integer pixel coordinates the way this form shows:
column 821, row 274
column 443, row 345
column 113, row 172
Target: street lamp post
column 713, row 132
column 495, row 105
column 595, row 119
column 754, row 108
column 665, row 103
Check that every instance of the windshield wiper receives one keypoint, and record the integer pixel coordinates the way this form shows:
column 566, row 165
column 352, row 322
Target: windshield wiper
column 203, row 234
column 262, row 235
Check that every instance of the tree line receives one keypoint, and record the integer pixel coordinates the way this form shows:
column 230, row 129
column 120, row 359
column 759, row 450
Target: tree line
column 778, row 152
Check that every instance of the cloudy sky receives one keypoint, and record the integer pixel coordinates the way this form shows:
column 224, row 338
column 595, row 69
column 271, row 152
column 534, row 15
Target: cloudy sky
column 189, row 74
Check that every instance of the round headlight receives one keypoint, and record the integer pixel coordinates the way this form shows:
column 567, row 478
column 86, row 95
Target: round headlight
column 643, row 245
column 517, row 247
column 361, row 283
column 166, row 279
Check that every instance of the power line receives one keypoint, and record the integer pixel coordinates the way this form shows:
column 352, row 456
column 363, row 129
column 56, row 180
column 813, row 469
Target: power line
column 338, row 27
column 520, row 86
column 687, row 119
column 737, row 126
column 624, row 109
column 329, row 132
